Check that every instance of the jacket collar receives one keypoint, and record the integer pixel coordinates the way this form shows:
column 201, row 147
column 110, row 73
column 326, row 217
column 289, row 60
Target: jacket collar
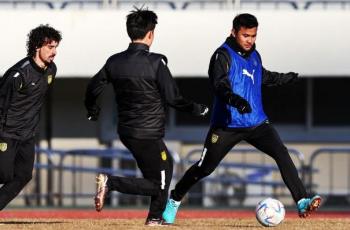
column 231, row 42
column 36, row 67
column 138, row 46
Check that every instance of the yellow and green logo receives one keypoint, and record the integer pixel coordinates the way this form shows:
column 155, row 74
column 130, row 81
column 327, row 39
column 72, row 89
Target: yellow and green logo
column 163, row 155
column 3, row 147
column 214, row 138
column 49, row 79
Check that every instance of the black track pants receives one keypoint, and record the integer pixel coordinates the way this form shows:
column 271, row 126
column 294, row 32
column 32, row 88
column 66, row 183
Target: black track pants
column 16, row 167
column 219, row 142
column 156, row 165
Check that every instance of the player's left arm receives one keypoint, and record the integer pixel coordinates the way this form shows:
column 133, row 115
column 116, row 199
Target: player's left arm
column 10, row 84
column 94, row 89
column 270, row 78
column 171, row 93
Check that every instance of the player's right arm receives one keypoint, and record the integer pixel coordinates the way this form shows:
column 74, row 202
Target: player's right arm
column 94, row 89
column 12, row 80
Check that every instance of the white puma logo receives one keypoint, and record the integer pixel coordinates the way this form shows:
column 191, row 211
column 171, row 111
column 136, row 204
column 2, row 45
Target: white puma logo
column 250, row 75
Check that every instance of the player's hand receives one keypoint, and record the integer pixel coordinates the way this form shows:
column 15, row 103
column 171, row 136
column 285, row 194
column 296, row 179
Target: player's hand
column 240, row 103
column 293, row 76
column 243, row 106
column 200, row 110
column 93, row 113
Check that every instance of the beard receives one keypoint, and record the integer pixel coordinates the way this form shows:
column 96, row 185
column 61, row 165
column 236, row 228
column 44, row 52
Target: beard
column 49, row 60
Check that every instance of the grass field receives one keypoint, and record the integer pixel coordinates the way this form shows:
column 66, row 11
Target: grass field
column 134, row 219
column 202, row 224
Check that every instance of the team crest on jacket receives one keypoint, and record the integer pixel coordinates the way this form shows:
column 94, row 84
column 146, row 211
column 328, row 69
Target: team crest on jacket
column 49, row 79
column 163, row 155
column 3, row 147
column 214, row 138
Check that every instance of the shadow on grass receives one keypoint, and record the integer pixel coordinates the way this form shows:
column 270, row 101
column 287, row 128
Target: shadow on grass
column 233, row 226
column 30, row 222
column 187, row 226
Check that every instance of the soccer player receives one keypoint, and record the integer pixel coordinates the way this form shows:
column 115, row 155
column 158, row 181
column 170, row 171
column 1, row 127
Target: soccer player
column 22, row 93
column 143, row 87
column 236, row 75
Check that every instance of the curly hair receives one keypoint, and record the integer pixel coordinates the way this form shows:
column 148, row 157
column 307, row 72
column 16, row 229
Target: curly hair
column 40, row 36
column 139, row 22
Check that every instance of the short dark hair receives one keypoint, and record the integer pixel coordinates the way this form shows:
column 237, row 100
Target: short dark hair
column 40, row 36
column 244, row 20
column 139, row 22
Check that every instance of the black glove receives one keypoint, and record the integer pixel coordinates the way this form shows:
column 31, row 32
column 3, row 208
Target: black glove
column 93, row 113
column 241, row 104
column 200, row 110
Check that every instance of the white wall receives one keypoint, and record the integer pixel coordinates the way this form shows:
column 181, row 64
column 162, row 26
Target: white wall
column 311, row 43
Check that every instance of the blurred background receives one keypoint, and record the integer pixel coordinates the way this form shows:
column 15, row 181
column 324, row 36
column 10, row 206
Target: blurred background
column 313, row 117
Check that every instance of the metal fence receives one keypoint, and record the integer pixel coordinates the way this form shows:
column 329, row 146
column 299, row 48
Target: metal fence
column 330, row 175
column 66, row 177
column 244, row 173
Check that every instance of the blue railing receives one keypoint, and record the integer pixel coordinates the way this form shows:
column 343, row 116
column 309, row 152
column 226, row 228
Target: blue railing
column 326, row 174
column 174, row 4
column 235, row 174
column 56, row 162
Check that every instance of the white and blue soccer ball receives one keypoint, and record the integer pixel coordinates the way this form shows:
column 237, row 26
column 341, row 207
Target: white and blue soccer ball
column 270, row 212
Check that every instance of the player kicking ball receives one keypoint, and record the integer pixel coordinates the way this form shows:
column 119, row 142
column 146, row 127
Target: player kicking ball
column 236, row 76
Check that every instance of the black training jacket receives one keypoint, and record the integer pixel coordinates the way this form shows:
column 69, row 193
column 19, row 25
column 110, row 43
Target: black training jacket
column 22, row 91
column 143, row 87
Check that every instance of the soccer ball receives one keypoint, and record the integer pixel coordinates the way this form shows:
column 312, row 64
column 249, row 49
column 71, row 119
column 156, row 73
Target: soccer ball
column 270, row 212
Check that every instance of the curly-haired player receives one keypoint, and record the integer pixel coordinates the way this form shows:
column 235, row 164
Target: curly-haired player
column 22, row 92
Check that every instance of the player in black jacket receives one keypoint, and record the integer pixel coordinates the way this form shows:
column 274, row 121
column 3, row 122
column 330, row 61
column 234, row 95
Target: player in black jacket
column 22, row 92
column 143, row 87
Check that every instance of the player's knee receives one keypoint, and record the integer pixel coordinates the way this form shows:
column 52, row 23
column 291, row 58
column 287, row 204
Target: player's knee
column 280, row 153
column 205, row 172
column 25, row 179
column 284, row 149
column 6, row 177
